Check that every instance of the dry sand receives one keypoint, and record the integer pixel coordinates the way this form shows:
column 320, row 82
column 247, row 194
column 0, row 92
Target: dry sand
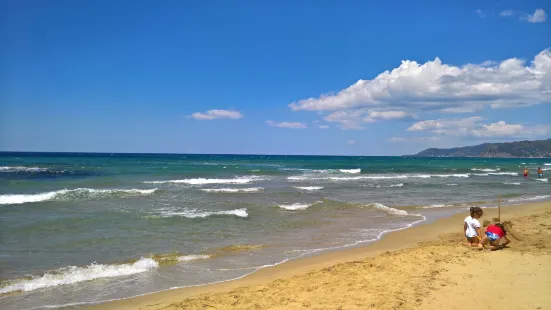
column 423, row 267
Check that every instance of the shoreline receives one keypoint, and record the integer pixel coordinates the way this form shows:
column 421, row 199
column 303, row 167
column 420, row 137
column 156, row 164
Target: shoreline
column 406, row 238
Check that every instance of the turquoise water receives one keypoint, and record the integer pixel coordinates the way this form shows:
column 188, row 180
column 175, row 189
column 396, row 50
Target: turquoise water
column 85, row 228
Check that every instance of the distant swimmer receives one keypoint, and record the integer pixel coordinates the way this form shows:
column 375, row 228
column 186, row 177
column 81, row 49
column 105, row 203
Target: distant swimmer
column 540, row 172
column 525, row 173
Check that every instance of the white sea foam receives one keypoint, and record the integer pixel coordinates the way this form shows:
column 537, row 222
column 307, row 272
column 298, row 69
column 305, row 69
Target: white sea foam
column 503, row 173
column 455, row 175
column 201, row 181
column 542, row 180
column 197, row 213
column 452, row 184
column 234, row 190
column 391, row 185
column 309, row 188
column 511, row 183
column 390, row 210
column 547, row 164
column 485, row 169
column 538, row 197
column 397, row 185
column 358, row 170
column 495, row 173
column 74, row 274
column 21, row 169
column 11, row 199
column 295, row 206
column 437, row 206
column 187, row 258
column 376, row 177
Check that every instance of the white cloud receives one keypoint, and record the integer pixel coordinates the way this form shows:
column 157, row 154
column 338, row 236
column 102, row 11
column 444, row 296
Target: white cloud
column 434, row 86
column 507, row 13
column 355, row 118
column 538, row 16
column 293, row 125
column 324, row 127
column 350, row 119
column 473, row 127
column 351, row 142
column 216, row 114
column 386, row 115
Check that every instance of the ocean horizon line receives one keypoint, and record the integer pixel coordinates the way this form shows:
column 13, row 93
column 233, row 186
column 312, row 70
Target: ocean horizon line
column 246, row 154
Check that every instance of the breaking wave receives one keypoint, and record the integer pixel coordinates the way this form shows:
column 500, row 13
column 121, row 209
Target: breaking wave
column 392, row 211
column 309, row 188
column 79, row 193
column 495, row 173
column 22, row 169
column 295, row 206
column 539, row 197
column 233, row 190
column 485, row 169
column 437, row 206
column 201, row 181
column 542, row 180
column 358, row 170
column 74, row 274
column 377, row 177
column 194, row 213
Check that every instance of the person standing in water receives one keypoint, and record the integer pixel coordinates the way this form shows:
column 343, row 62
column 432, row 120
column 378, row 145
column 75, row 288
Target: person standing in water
column 525, row 173
column 540, row 172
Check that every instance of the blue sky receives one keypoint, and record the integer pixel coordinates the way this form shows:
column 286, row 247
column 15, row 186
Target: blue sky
column 128, row 76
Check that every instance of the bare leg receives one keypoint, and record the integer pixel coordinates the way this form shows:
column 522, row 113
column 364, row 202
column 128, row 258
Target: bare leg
column 483, row 242
column 494, row 245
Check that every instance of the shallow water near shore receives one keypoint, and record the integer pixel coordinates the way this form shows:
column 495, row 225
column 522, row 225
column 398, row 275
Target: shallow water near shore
column 85, row 228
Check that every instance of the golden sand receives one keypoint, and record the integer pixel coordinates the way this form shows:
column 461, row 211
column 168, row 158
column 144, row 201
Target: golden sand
column 423, row 267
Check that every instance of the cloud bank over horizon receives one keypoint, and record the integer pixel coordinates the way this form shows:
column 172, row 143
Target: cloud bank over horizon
column 413, row 90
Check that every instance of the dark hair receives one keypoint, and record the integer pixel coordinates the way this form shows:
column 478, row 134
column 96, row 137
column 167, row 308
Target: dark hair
column 502, row 227
column 476, row 210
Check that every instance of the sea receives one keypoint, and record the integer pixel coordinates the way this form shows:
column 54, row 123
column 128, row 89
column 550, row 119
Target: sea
column 80, row 228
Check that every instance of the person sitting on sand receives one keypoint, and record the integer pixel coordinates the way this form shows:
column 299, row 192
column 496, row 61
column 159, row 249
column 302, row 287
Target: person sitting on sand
column 525, row 173
column 494, row 233
column 540, row 172
column 471, row 226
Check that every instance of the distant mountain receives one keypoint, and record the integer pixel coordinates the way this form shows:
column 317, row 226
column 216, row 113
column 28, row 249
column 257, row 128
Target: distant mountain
column 538, row 148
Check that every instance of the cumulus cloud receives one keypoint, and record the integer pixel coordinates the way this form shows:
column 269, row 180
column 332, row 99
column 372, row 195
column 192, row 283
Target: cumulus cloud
column 435, row 86
column 324, row 127
column 293, row 125
column 356, row 118
column 351, row 142
column 473, row 127
column 386, row 115
column 347, row 120
column 538, row 16
column 216, row 114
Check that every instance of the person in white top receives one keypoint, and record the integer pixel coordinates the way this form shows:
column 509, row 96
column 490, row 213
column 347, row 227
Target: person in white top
column 471, row 226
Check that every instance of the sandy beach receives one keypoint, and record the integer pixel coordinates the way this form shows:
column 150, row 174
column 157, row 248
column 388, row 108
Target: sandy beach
column 422, row 267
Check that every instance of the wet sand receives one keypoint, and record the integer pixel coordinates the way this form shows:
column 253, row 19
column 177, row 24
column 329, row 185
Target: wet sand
column 422, row 267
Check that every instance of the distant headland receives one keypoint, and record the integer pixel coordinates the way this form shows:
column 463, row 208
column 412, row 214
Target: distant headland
column 518, row 149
